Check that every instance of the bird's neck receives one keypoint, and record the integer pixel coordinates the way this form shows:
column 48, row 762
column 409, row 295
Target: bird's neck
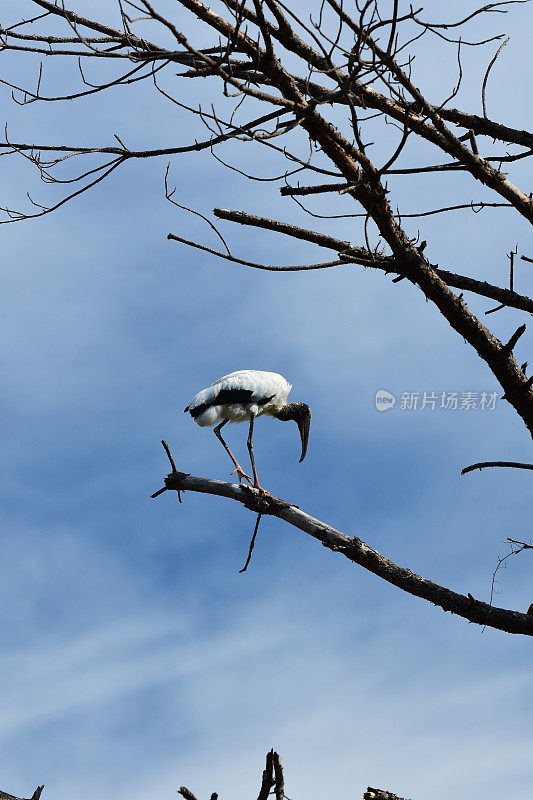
column 285, row 412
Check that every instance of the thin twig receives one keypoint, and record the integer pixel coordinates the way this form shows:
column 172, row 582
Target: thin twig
column 256, row 264
column 484, row 86
column 169, row 454
column 516, row 548
column 252, row 543
column 483, row 464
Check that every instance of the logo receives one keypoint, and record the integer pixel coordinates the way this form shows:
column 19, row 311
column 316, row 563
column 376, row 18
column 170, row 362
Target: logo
column 384, row 400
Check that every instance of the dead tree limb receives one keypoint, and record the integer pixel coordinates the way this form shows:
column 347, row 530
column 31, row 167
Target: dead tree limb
column 380, row 794
column 35, row 796
column 267, row 781
column 273, row 780
column 362, row 256
column 356, row 550
column 484, row 464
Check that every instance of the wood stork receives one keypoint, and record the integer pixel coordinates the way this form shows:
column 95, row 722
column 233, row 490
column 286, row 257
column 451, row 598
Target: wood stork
column 245, row 395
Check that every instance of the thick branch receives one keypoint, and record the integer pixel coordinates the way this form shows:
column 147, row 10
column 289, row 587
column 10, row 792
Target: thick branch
column 322, row 239
column 372, row 196
column 360, row 553
column 268, row 777
column 482, row 126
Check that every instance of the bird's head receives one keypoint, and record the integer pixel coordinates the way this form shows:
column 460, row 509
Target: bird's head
column 301, row 414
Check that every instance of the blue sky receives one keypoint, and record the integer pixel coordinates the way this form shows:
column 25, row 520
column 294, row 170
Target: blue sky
column 134, row 657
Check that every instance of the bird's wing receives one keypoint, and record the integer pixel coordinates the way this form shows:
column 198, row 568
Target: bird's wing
column 243, row 386
column 257, row 379
column 259, row 385
column 237, row 374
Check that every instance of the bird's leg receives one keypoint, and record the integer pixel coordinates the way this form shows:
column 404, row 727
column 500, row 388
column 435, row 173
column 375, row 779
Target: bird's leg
column 238, row 469
column 252, row 459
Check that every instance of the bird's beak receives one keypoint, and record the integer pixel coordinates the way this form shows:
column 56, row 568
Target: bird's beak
column 303, row 427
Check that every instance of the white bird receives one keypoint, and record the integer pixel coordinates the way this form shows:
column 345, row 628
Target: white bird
column 245, row 395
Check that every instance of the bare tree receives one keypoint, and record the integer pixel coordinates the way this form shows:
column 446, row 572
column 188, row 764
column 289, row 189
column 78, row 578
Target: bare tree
column 272, row 784
column 311, row 91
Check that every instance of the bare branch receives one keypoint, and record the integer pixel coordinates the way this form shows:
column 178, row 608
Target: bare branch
column 255, row 264
column 360, row 553
column 252, row 544
column 517, row 547
column 359, row 255
column 322, row 239
column 484, row 464
column 486, row 77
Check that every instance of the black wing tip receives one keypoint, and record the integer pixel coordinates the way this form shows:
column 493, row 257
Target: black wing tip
column 185, row 410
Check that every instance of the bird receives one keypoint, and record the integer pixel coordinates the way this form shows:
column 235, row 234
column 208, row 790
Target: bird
column 245, row 395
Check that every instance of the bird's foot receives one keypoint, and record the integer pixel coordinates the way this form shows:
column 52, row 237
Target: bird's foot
column 242, row 475
column 263, row 502
column 262, row 492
